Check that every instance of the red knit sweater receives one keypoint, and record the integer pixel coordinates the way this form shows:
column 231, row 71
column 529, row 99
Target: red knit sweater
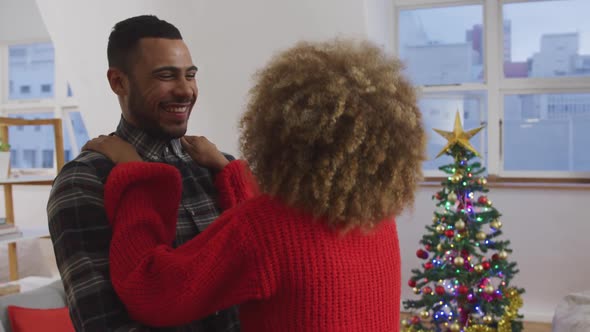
column 285, row 271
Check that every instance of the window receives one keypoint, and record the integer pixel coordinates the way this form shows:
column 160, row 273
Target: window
column 31, row 93
column 435, row 54
column 547, row 124
column 47, row 159
column 25, row 89
column 547, row 50
column 29, row 65
column 29, row 158
column 527, row 80
column 46, row 88
column 439, row 112
column 13, row 158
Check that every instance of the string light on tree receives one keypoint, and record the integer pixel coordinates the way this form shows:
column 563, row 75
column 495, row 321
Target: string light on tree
column 464, row 283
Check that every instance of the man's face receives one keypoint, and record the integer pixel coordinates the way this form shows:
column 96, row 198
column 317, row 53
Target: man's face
column 162, row 87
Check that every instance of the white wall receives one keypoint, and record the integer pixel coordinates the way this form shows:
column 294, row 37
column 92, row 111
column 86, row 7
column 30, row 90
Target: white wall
column 20, row 21
column 229, row 41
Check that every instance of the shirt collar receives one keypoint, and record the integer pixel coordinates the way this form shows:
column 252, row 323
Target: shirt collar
column 148, row 147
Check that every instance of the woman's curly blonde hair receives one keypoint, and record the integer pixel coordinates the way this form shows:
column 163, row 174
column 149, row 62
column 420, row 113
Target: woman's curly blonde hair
column 333, row 128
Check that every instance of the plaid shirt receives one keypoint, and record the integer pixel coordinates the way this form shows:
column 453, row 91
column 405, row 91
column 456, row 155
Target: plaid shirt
column 81, row 233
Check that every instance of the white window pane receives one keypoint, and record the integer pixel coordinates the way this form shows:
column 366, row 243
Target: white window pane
column 547, row 132
column 29, row 158
column 439, row 112
column 47, row 159
column 29, row 142
column 442, row 45
column 31, row 71
column 14, row 158
column 547, row 38
column 80, row 133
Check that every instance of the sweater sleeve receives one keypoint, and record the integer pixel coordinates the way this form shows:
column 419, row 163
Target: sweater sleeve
column 162, row 286
column 235, row 184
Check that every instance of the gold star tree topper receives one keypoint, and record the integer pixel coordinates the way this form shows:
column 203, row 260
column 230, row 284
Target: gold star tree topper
column 458, row 136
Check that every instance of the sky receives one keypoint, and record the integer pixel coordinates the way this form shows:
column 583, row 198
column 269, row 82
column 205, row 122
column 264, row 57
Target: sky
column 530, row 20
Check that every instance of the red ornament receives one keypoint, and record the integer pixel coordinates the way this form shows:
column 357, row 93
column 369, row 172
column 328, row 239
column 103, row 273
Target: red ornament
column 463, row 290
column 412, row 283
column 440, row 290
column 486, row 265
column 427, row 246
column 428, row 265
column 437, row 196
column 482, row 200
column 495, row 257
column 449, row 233
column 415, row 320
column 426, row 290
column 464, row 253
column 421, row 254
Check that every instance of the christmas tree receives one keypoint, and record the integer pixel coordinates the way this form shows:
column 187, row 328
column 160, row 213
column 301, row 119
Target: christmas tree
column 464, row 283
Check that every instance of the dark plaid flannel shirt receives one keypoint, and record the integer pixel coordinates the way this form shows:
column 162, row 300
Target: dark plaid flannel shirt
column 81, row 233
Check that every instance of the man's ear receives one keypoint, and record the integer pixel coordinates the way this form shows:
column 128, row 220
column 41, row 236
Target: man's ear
column 118, row 81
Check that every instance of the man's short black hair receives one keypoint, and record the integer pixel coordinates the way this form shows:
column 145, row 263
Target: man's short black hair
column 127, row 33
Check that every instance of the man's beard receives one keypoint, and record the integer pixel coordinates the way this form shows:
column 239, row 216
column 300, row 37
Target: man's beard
column 144, row 118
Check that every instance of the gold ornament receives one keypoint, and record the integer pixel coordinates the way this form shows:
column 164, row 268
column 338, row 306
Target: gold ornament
column 503, row 254
column 452, row 197
column 455, row 327
column 439, row 247
column 456, row 178
column 478, row 268
column 489, row 202
column 489, row 289
column 425, row 314
column 435, row 219
column 481, row 236
column 497, row 224
column 405, row 322
column 458, row 136
column 440, row 229
column 459, row 261
column 487, row 319
column 460, row 224
column 416, row 290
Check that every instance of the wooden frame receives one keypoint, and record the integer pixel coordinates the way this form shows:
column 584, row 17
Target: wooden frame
column 8, row 199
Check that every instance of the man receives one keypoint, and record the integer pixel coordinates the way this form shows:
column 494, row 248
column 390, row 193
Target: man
column 153, row 76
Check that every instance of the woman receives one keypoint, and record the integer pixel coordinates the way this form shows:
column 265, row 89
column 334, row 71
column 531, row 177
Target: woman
column 335, row 139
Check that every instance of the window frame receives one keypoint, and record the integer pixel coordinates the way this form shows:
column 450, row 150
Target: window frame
column 497, row 87
column 60, row 105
